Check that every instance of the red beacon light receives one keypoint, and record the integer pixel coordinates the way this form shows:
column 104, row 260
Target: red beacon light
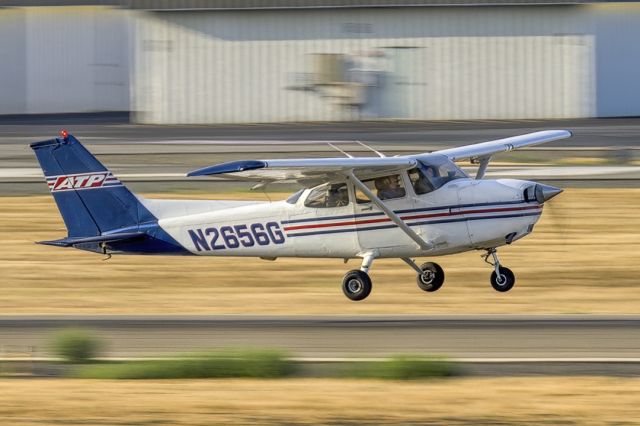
column 64, row 134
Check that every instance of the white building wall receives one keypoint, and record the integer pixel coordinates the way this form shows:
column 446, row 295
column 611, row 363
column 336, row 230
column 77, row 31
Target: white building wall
column 64, row 59
column 428, row 63
column 259, row 66
column 618, row 60
column 12, row 62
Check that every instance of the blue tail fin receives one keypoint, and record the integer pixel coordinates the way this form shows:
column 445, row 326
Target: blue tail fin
column 91, row 200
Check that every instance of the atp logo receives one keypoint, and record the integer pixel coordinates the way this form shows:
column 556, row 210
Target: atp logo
column 81, row 181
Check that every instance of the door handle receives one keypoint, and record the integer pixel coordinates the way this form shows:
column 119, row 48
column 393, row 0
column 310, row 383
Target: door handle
column 366, row 208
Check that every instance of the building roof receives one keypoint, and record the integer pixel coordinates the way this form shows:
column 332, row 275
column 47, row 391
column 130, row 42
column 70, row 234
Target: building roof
column 169, row 5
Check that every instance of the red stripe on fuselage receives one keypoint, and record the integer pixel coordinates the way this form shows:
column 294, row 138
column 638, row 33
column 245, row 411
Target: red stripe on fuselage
column 412, row 217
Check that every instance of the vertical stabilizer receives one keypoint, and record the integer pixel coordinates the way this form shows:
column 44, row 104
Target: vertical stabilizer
column 90, row 199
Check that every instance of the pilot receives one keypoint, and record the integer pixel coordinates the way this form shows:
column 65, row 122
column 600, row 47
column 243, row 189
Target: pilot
column 337, row 196
column 388, row 188
column 425, row 182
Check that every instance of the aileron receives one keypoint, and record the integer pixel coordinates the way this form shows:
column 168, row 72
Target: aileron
column 486, row 149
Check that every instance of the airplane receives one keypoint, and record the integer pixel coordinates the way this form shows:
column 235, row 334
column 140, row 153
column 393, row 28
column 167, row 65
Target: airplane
column 366, row 208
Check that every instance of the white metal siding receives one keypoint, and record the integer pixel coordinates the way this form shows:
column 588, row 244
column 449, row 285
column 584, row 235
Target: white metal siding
column 12, row 62
column 64, row 59
column 618, row 60
column 436, row 63
column 259, row 66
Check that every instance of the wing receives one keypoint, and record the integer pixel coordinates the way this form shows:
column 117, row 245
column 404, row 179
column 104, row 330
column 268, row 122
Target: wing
column 311, row 171
column 487, row 149
column 306, row 170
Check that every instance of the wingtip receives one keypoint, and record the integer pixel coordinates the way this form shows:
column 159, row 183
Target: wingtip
column 558, row 133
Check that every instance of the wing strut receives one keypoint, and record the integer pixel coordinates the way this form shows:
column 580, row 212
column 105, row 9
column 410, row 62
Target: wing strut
column 424, row 245
column 378, row 153
column 482, row 168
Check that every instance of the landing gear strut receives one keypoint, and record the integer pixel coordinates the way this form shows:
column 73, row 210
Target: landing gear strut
column 502, row 279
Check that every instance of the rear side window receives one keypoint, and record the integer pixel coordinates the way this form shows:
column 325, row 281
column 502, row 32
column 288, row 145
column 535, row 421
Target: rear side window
column 293, row 198
column 326, row 196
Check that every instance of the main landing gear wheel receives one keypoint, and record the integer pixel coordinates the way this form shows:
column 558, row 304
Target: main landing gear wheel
column 356, row 285
column 504, row 281
column 431, row 278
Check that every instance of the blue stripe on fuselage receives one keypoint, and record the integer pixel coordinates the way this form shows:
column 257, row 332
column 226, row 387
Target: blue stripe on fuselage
column 433, row 222
column 424, row 209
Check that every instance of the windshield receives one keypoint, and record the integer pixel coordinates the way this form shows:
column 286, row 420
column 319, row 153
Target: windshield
column 433, row 172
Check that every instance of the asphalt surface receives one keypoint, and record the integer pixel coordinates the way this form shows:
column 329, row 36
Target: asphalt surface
column 503, row 344
column 143, row 155
column 593, row 132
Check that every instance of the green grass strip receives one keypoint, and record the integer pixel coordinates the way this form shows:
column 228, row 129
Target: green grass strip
column 404, row 367
column 227, row 364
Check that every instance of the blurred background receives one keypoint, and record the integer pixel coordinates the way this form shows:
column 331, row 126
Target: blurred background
column 216, row 61
column 156, row 88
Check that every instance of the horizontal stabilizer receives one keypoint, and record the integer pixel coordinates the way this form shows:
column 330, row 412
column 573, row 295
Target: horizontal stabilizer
column 111, row 238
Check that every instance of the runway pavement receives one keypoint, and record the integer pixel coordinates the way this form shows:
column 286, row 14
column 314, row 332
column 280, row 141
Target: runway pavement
column 593, row 132
column 485, row 338
column 143, row 155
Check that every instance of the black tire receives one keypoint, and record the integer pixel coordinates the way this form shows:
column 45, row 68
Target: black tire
column 356, row 285
column 507, row 281
column 432, row 278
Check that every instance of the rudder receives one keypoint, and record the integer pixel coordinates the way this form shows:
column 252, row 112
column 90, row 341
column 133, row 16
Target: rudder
column 90, row 199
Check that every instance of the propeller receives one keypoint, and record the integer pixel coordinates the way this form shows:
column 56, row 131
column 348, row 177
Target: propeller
column 542, row 194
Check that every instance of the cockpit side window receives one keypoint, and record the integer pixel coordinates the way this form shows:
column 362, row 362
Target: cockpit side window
column 433, row 173
column 421, row 181
column 385, row 188
column 326, row 196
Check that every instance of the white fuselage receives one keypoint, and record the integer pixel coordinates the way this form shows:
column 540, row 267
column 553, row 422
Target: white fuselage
column 462, row 215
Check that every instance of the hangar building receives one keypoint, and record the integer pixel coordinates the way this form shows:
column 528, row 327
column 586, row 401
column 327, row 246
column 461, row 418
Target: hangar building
column 238, row 61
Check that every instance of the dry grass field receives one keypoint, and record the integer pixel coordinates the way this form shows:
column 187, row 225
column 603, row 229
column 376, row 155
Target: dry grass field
column 504, row 401
column 583, row 257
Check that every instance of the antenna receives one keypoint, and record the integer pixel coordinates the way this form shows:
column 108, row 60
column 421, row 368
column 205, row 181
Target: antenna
column 338, row 149
column 263, row 186
column 371, row 149
column 260, row 185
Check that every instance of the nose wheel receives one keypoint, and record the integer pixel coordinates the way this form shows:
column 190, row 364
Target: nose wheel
column 502, row 279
